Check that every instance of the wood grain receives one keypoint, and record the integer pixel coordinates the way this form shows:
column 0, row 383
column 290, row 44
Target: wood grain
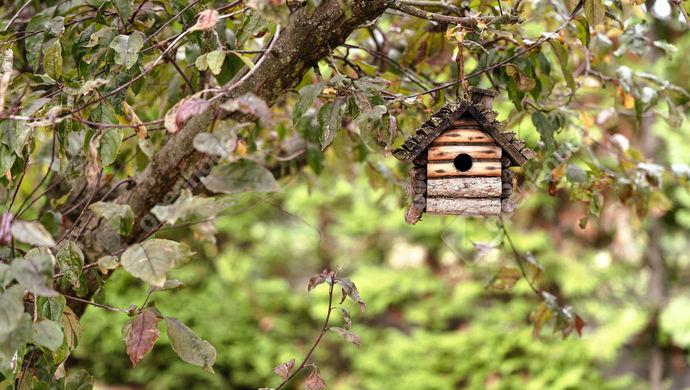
column 479, row 168
column 449, row 152
column 462, row 135
column 465, row 187
column 464, row 206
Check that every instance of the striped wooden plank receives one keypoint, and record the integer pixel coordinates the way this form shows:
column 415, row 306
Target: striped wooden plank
column 449, row 152
column 479, row 168
column 462, row 135
column 464, row 206
column 465, row 187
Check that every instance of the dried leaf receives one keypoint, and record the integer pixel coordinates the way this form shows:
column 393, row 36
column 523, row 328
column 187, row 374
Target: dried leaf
column 539, row 317
column 505, row 278
column 317, row 279
column 350, row 290
column 349, row 336
column 206, row 21
column 314, row 381
column 142, row 335
column 283, row 369
column 133, row 119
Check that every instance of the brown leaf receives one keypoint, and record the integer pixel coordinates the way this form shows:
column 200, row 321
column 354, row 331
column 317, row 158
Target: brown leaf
column 314, row 381
column 579, row 324
column 317, row 279
column 350, row 290
column 142, row 335
column 182, row 111
column 349, row 336
column 505, row 278
column 207, row 20
column 539, row 317
column 249, row 104
column 283, row 369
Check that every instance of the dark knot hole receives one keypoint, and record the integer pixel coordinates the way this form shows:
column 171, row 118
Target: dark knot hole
column 463, row 162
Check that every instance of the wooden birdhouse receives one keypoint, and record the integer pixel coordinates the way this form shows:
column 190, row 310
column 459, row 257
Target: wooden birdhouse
column 461, row 160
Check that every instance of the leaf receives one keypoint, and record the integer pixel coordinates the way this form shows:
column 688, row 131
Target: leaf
column 124, row 9
column 151, row 260
column 545, row 127
column 188, row 207
column 524, row 83
column 133, row 119
column 539, row 317
column 52, row 60
column 169, row 285
column 110, row 145
column 306, row 97
column 575, row 174
column 219, row 143
column 536, row 270
column 244, row 58
column 283, row 369
column 579, row 324
column 82, row 380
column 329, row 118
column 236, row 177
column 34, row 271
column 127, row 49
column 314, row 381
column 349, row 336
column 71, row 326
column 32, row 233
column 350, row 290
column 71, row 261
column 562, row 55
column 47, row 333
column 346, row 317
column 371, row 85
column 595, row 12
column 11, row 308
column 119, row 216
column 142, row 335
column 317, row 279
column 215, row 60
column 207, row 20
column 249, row 104
column 14, row 340
column 186, row 110
column 34, row 43
column 107, row 263
column 189, row 346
column 505, row 278
column 201, row 62
column 5, row 275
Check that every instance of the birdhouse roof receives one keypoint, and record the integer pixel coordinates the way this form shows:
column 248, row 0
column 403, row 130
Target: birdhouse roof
column 443, row 120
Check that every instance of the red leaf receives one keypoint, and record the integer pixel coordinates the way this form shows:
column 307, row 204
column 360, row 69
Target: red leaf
column 283, row 369
column 315, row 381
column 142, row 335
column 579, row 324
column 188, row 109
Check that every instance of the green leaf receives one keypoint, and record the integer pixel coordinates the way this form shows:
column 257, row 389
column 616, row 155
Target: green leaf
column 32, row 233
column 215, row 60
column 51, row 308
column 35, row 271
column 120, row 216
column 5, row 275
column 546, row 127
column 107, row 263
column 34, row 43
column 201, row 62
column 52, row 60
column 562, row 55
column 11, row 308
column 51, row 221
column 110, row 145
column 595, row 12
column 151, row 260
column 188, row 207
column 82, row 380
column 71, row 327
column 306, row 97
column 575, row 174
column 48, row 334
column 189, row 346
column 124, row 9
column 127, row 49
column 244, row 175
column 12, row 342
column 329, row 118
column 71, row 261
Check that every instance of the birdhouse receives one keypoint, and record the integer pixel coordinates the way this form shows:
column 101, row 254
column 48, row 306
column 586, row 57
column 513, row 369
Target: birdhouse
column 461, row 161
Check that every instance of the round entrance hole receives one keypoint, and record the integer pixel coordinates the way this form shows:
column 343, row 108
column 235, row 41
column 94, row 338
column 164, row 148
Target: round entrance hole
column 463, row 162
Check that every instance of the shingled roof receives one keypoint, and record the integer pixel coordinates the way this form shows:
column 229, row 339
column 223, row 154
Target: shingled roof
column 449, row 113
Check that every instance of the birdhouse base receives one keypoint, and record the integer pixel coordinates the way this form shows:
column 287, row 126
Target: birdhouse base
column 464, row 206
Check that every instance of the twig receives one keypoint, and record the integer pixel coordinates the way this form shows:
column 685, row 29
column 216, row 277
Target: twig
column 17, row 14
column 192, row 4
column 318, row 340
column 94, row 304
column 52, row 158
column 519, row 257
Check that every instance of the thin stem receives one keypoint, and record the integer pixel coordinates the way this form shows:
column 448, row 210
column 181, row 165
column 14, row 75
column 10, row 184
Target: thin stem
column 94, row 304
column 52, row 158
column 519, row 257
column 318, row 340
column 16, row 15
column 21, row 178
